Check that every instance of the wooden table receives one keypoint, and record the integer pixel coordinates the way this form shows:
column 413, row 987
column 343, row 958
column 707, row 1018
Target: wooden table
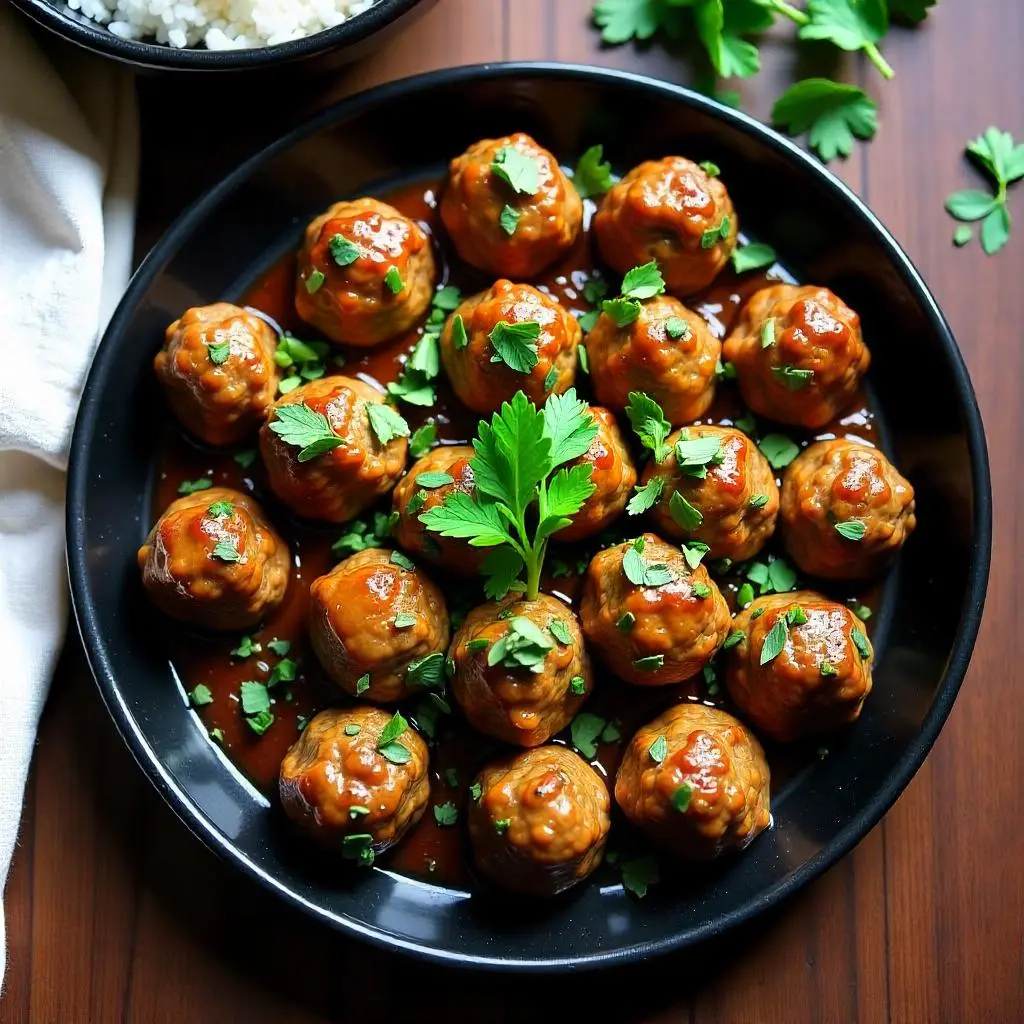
column 114, row 913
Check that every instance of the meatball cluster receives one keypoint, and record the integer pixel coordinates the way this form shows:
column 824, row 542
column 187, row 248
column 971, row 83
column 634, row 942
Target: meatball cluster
column 540, row 822
column 672, row 211
column 508, row 207
column 365, row 273
column 696, row 781
column 509, row 338
column 214, row 560
column 799, row 354
column 326, row 457
column 218, row 372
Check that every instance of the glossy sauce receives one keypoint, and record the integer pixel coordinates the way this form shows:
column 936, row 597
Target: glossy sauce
column 431, row 851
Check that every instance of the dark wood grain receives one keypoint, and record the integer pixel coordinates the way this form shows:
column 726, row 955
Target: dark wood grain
column 114, row 913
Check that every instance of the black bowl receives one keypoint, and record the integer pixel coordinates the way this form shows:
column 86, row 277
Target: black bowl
column 924, row 631
column 349, row 40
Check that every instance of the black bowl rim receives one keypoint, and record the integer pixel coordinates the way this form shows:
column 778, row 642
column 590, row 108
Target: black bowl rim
column 831, row 852
column 99, row 39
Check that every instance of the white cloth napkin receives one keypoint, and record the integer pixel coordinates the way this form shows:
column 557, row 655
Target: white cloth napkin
column 68, row 168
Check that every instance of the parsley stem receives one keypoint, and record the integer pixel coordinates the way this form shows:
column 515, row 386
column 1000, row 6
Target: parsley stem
column 789, row 11
column 876, row 58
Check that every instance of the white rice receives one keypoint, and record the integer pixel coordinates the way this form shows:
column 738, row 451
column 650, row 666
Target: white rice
column 219, row 24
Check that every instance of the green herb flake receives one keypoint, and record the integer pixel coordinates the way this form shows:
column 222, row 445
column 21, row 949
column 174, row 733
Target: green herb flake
column 577, row 686
column 426, row 673
column 560, row 631
column 362, row 684
column 200, row 695
column 649, row 423
column 658, row 750
column 796, row 616
column 283, row 672
column 217, row 735
column 758, row 501
column 792, row 378
column 476, row 791
column 685, row 515
column 221, row 509
column 255, row 697
column 516, row 169
column 402, row 561
column 260, row 722
column 851, row 529
column 393, row 280
column 592, row 177
column 219, row 353
column 386, row 423
column 403, row 620
column 701, row 589
column 501, row 826
column 422, row 440
column 343, row 252
column 745, row 595
column 279, row 647
column 246, row 458
column 712, row 236
column 860, row 641
column 775, row 641
column 625, row 622
column 694, row 551
column 515, row 344
column 353, row 729
column 778, row 449
column 225, row 551
column 712, row 170
column 314, row 281
column 768, row 333
column 446, row 815
column 646, row 497
column 831, row 113
column 509, row 219
column 586, row 729
column 863, row 612
column 753, row 256
column 676, row 327
column 477, row 644
column 643, row 282
column 650, row 663
column 681, row 798
column 358, row 848
column 733, row 639
column 826, row 668
column 622, row 311
column 639, row 874
column 191, row 486
column 459, row 337
column 304, row 428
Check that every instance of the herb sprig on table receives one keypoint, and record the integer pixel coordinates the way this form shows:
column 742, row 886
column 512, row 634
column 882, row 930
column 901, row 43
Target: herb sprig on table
column 832, row 114
column 524, row 490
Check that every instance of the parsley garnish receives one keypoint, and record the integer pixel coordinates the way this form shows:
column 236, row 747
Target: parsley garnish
column 415, row 384
column 792, row 377
column 191, row 486
column 509, row 219
column 361, row 535
column 459, row 337
column 446, row 814
column 283, row 672
column 385, row 422
column 523, row 646
column 758, row 501
column 217, row 735
column 860, row 641
column 219, row 352
column 778, row 449
column 752, row 256
column 694, row 551
column 831, row 113
column 744, row 595
column 434, row 479
column 826, row 668
column 226, row 551
column 711, row 169
column 622, row 311
column 246, row 647
column 712, row 236
column 362, row 684
column 695, row 454
column 518, row 170
column 517, row 455
column 643, row 282
column 768, row 333
column 685, row 515
column 639, row 573
column 314, row 281
column 701, row 590
column 577, row 686
column 649, row 424
column 645, row 497
column 358, row 848
column 280, row 647
column 851, row 529
column 393, row 280
column 221, row 509
column 403, row 620
column 246, row 458
column 343, row 251
column 515, row 345
column 560, row 631
column 733, row 639
column 353, row 729
column 649, row 663
column 476, row 791
column 422, row 440
column 551, row 378
column 261, row 722
column 387, row 743
column 625, row 622
column 996, row 153
column 775, row 641
column 501, row 825
column 775, row 576
column 639, row 874
column 592, row 177
column 658, row 750
column 306, row 429
column 676, row 327
column 200, row 695
column 426, row 673
column 255, row 697
column 585, row 731
column 304, row 359
column 681, row 798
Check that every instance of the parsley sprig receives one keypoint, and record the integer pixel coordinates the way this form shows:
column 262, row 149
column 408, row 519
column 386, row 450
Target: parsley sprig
column 415, row 385
column 1003, row 161
column 524, row 490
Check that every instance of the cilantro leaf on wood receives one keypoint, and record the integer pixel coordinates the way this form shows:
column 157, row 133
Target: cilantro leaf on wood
column 831, row 113
column 850, row 25
column 730, row 54
column 1003, row 160
column 622, row 20
column 592, row 177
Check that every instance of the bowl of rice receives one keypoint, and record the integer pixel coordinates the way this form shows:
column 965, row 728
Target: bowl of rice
column 222, row 35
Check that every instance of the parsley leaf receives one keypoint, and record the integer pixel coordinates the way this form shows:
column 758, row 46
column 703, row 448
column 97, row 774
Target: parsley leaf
column 433, row 480
column 1003, row 160
column 775, row 641
column 393, row 280
column 622, row 20
column 639, row 874
column 831, row 113
column 643, row 282
column 221, row 509
column 344, row 252
column 225, row 551
column 523, row 646
column 860, row 641
column 646, row 497
column 570, row 425
column 851, row 25
column 639, row 573
column 219, row 353
column 446, row 814
column 752, row 256
column 422, row 440
column 517, row 169
column 585, row 730
column 387, row 742
column 778, row 449
column 592, row 177
column 622, row 311
column 683, row 513
column 515, row 345
column 255, row 697
column 386, row 423
column 649, row 423
column 191, row 486
column 792, row 377
column 304, row 428
column 245, row 458
column 658, row 750
column 509, row 219
column 851, row 529
column 200, row 695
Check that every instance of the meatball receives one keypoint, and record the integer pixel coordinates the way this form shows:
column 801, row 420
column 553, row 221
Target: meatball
column 653, row 618
column 672, row 211
column 218, row 372
column 348, row 790
column 541, row 821
column 372, row 620
column 801, row 665
column 336, row 483
column 696, row 781
column 365, row 273
column 846, row 510
column 510, row 228
column 668, row 351
column 612, row 474
column 515, row 676
column 411, row 498
column 214, row 560
column 729, row 501
column 487, row 364
column 799, row 354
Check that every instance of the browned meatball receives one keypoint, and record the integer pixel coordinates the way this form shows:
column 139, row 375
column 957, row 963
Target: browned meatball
column 802, row 665
column 846, row 510
column 373, row 621
column 365, row 273
column 653, row 618
column 349, row 791
column 218, row 372
column 696, row 781
column 510, row 230
column 671, row 211
column 332, row 483
column 732, row 507
column 411, row 498
column 668, row 352
column 541, row 821
column 515, row 676
column 486, row 366
column 799, row 354
column 612, row 474
column 214, row 560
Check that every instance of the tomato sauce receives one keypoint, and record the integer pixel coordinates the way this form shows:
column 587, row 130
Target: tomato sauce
column 430, row 851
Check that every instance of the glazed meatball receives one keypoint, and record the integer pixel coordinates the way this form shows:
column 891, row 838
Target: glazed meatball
column 668, row 351
column 732, row 507
column 612, row 474
column 802, row 665
column 515, row 676
column 696, row 781
column 799, row 354
column 365, row 273
column 486, row 369
column 411, row 498
column 371, row 618
column 674, row 212
column 846, row 510
column 218, row 372
column 214, row 560
column 349, row 791
column 510, row 229
column 653, row 618
column 541, row 821
column 331, row 483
